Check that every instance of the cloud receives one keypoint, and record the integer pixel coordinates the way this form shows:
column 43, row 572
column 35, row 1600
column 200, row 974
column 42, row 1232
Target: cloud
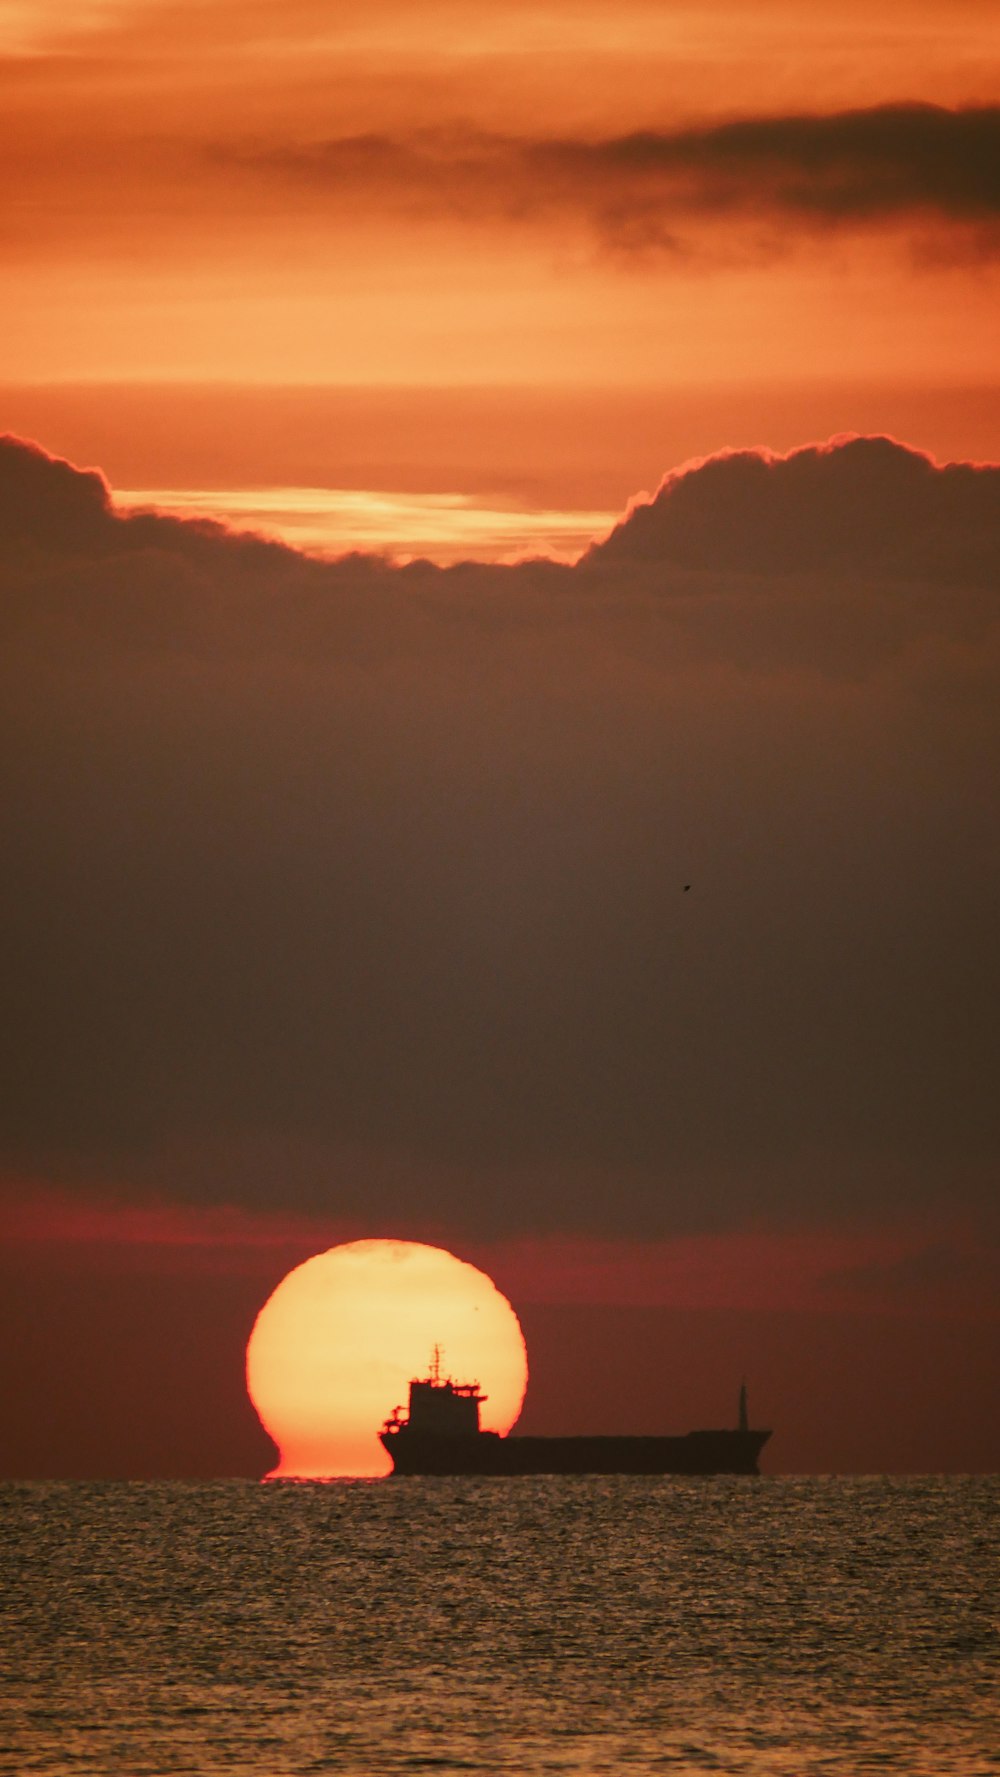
column 882, row 164
column 855, row 505
column 918, row 167
column 921, row 1274
column 46, row 503
column 48, row 506
column 341, row 888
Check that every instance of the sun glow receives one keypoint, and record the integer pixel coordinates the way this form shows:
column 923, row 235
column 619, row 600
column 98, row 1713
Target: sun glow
column 443, row 527
column 334, row 1348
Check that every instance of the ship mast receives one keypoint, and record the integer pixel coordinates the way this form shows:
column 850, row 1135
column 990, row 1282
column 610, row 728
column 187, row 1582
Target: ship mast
column 436, row 1365
column 744, row 1420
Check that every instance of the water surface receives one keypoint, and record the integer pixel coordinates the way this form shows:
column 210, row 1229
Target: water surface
column 533, row 1626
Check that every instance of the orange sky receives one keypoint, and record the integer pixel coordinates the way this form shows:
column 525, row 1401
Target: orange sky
column 427, row 276
column 430, row 196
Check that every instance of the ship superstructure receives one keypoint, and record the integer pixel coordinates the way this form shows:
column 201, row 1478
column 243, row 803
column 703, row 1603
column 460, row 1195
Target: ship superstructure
column 438, row 1407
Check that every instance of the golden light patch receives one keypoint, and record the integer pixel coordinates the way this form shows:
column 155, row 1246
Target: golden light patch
column 441, row 527
column 334, row 1349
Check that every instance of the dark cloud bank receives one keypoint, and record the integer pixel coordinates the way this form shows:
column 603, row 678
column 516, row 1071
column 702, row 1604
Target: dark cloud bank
column 363, row 888
column 905, row 165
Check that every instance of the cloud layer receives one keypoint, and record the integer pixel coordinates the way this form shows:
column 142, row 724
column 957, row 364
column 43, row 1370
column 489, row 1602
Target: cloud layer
column 359, row 888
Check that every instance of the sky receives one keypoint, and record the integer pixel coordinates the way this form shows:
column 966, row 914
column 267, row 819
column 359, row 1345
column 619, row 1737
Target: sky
column 500, row 554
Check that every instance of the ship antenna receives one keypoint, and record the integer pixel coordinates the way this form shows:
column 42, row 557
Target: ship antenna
column 744, row 1421
column 436, row 1364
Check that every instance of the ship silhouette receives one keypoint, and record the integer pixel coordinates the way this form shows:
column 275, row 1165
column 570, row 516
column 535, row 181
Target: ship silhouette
column 440, row 1434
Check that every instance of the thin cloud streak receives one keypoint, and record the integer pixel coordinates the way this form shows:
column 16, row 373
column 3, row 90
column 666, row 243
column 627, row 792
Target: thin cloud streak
column 919, row 167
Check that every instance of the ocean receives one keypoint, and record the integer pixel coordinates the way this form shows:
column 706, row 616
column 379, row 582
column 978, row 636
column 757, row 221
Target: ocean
column 549, row 1626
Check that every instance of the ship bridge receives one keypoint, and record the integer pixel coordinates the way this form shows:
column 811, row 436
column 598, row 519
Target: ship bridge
column 439, row 1407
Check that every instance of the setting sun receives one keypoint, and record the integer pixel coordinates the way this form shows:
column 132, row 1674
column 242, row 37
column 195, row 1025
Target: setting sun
column 334, row 1349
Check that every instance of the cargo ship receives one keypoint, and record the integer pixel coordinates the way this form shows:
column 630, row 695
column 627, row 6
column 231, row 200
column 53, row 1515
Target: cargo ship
column 440, row 1434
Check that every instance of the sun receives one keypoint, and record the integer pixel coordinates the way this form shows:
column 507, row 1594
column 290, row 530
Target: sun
column 334, row 1348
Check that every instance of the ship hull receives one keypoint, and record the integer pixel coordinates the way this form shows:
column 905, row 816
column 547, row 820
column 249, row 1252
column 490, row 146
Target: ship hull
column 486, row 1453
